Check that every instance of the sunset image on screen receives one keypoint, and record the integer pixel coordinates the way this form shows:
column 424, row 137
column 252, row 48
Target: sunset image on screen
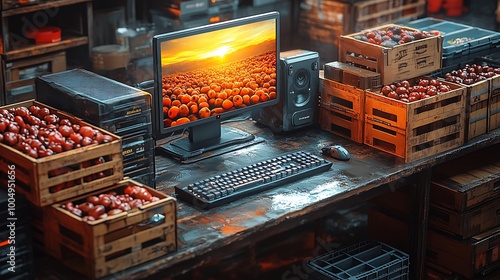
column 218, row 71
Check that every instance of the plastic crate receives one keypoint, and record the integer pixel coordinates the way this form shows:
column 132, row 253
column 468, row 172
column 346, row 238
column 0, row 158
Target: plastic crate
column 461, row 43
column 365, row 260
column 443, row 26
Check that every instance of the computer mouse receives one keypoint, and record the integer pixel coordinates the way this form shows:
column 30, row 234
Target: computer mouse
column 336, row 152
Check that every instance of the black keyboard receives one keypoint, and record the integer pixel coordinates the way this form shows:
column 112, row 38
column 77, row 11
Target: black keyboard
column 242, row 182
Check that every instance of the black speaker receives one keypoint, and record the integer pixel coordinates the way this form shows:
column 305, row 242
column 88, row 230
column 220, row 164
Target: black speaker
column 299, row 88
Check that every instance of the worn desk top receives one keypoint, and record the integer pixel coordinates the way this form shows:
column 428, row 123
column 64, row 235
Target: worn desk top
column 238, row 224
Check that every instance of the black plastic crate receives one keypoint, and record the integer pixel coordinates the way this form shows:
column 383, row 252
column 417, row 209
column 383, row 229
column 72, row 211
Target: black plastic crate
column 492, row 59
column 365, row 260
column 90, row 96
column 461, row 43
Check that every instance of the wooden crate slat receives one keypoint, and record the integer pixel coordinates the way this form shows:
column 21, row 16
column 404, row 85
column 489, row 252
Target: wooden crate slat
column 341, row 124
column 434, row 134
column 386, row 138
column 133, row 241
column 343, row 98
column 105, row 267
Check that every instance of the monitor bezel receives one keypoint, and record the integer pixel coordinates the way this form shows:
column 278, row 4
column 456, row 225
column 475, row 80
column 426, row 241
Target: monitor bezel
column 159, row 131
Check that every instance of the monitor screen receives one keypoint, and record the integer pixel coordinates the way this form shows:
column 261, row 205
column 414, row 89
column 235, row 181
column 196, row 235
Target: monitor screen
column 208, row 74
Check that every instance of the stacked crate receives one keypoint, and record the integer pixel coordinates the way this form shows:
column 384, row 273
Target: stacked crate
column 463, row 215
column 113, row 241
column 110, row 105
column 321, row 23
column 342, row 99
column 464, row 227
column 409, row 130
column 465, row 45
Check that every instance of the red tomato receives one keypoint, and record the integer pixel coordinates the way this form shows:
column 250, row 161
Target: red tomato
column 76, row 137
column 65, row 130
column 393, row 95
column 114, row 212
column 86, row 206
column 93, row 199
column 97, row 211
column 10, row 138
column 87, row 131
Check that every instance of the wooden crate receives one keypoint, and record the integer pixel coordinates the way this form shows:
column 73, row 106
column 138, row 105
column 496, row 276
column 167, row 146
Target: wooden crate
column 398, row 63
column 106, row 246
column 494, row 104
column 460, row 187
column 468, row 257
column 471, row 257
column 20, row 74
column 341, row 109
column 468, row 223
column 418, row 129
column 35, row 178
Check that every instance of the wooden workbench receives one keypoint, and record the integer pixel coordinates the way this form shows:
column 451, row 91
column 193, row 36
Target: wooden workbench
column 205, row 236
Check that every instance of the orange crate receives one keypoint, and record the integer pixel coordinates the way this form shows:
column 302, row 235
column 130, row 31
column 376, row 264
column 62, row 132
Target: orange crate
column 341, row 110
column 418, row 129
column 35, row 179
column 398, row 63
column 494, row 104
column 115, row 243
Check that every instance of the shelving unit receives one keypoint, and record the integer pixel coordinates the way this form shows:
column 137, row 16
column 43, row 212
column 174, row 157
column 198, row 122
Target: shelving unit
column 20, row 54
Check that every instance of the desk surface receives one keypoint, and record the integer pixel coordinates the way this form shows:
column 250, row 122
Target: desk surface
column 248, row 220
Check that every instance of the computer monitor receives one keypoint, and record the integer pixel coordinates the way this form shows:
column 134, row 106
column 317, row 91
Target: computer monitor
column 208, row 74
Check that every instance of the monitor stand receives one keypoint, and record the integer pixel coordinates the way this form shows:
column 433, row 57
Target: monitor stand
column 208, row 140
